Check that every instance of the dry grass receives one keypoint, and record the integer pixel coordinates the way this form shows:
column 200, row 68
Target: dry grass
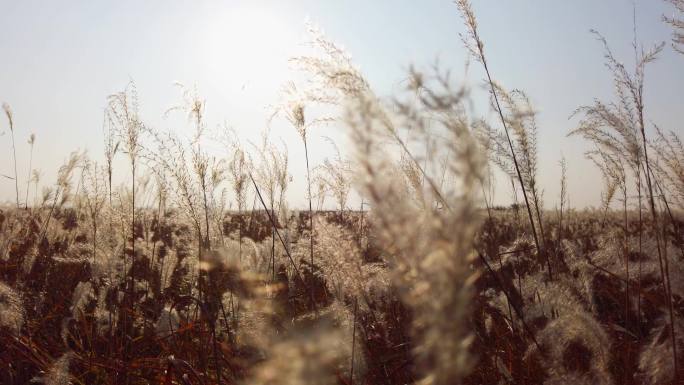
column 172, row 278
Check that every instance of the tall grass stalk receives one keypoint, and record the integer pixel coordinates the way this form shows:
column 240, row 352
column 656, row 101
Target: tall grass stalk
column 429, row 245
column 280, row 238
column 563, row 198
column 283, row 179
column 62, row 191
column 636, row 88
column 35, row 179
column 208, row 174
column 111, row 146
column 478, row 52
column 626, row 119
column 123, row 110
column 267, row 174
column 10, row 119
column 294, row 112
column 31, row 141
column 336, row 177
column 336, row 81
column 237, row 168
column 94, row 197
column 677, row 24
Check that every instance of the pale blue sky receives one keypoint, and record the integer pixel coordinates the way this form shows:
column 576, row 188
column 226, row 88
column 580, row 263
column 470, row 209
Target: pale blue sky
column 60, row 60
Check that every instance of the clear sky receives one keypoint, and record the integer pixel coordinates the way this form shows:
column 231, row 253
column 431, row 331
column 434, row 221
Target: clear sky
column 60, row 60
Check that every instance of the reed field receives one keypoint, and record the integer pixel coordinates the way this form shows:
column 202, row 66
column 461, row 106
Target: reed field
column 197, row 270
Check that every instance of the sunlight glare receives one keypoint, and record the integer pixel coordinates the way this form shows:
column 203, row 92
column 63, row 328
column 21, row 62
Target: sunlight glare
column 247, row 44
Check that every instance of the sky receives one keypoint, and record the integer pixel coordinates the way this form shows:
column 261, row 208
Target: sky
column 60, row 61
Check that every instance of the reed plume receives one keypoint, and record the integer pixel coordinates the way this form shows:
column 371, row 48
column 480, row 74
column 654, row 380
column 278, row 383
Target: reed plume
column 10, row 119
column 618, row 128
column 475, row 46
column 425, row 256
column 677, row 24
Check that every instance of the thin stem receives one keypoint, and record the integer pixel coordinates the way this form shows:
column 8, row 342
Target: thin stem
column 483, row 60
column 640, row 246
column 515, row 162
column 351, row 370
column 311, row 234
column 28, row 180
column 16, row 176
column 664, row 269
column 287, row 251
column 625, row 251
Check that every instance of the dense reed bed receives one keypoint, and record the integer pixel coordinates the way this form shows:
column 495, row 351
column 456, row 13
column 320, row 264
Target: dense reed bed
column 197, row 271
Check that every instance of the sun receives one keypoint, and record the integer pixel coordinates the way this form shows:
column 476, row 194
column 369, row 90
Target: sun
column 248, row 41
